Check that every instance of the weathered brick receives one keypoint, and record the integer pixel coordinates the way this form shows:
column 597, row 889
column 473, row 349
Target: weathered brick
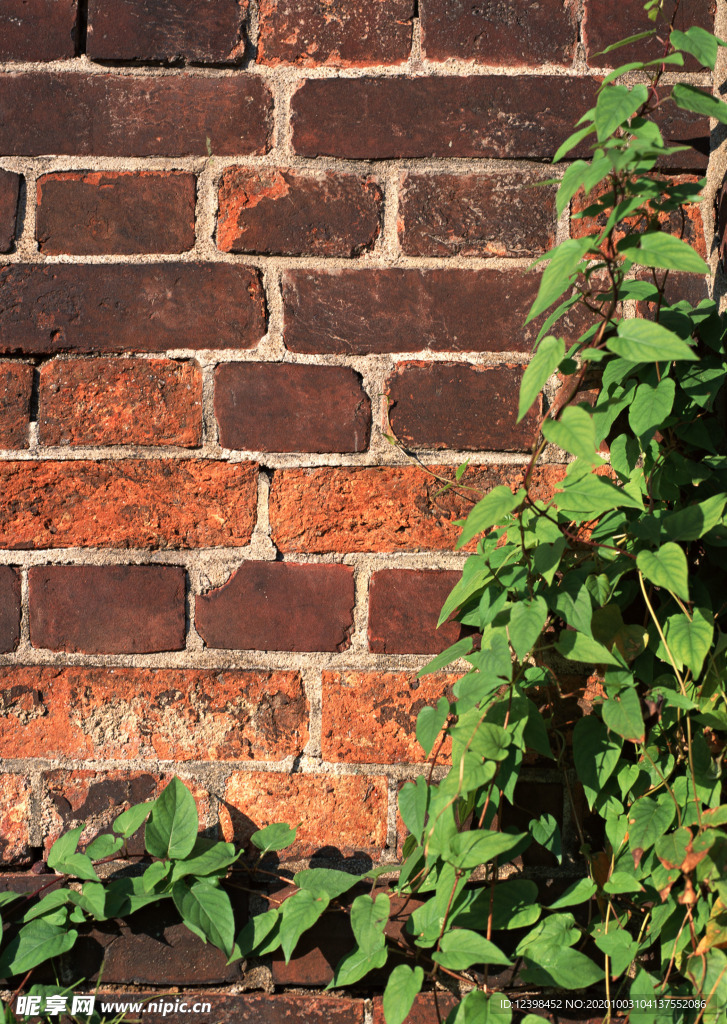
column 509, row 32
column 494, row 214
column 278, row 606
column 93, row 213
column 207, row 31
column 15, row 797
column 317, row 952
column 9, row 609
column 601, row 28
column 428, row 1008
column 283, row 407
column 404, row 607
column 121, row 115
column 362, row 311
column 144, row 503
column 9, row 195
column 275, row 210
column 370, row 717
column 107, row 609
column 38, row 29
column 426, row 403
column 16, row 383
column 383, row 508
column 358, row 34
column 46, row 309
column 120, row 401
column 499, row 116
column 159, row 714
column 343, row 812
column 285, row 1008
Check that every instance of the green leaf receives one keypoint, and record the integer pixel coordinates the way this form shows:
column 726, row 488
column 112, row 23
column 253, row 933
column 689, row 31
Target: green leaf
column 595, row 754
column 574, row 432
column 413, row 804
column 527, row 620
column 590, row 496
column 622, row 714
column 697, row 41
column 689, row 98
column 173, row 823
column 661, row 250
column 429, row 724
column 627, row 41
column 369, row 918
column 545, row 831
column 641, row 341
column 492, row 510
column 543, row 365
column 356, row 965
column 131, row 820
column 206, row 858
column 648, row 821
column 615, row 105
column 50, row 902
column 35, row 943
column 693, row 522
column 470, row 849
column 688, row 641
column 299, row 913
column 559, row 274
column 401, row 990
column 666, row 567
column 461, row 948
column 104, row 846
column 206, row 911
column 580, row 892
column 577, row 647
column 620, row 882
column 328, row 881
column 572, row 141
column 154, row 874
column 651, row 406
column 568, row 969
column 255, row 931
column 277, row 836
column 63, row 858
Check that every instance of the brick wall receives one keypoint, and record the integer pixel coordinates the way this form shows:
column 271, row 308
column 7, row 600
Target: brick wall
column 241, row 243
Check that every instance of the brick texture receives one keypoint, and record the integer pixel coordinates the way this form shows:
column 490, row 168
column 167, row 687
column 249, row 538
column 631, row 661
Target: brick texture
column 475, row 215
column 289, row 408
column 271, row 210
column 346, row 813
column 601, row 29
column 9, row 195
column 38, row 30
column 14, row 820
column 120, row 401
column 165, row 714
column 155, row 503
column 359, row 33
column 9, row 609
column 107, row 609
column 16, row 382
column 141, row 308
column 507, row 32
column 427, row 403
column 428, row 1008
column 106, row 115
column 208, row 31
column 404, row 607
column 96, row 213
column 278, row 606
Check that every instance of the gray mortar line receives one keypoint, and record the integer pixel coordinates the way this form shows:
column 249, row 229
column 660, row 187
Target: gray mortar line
column 389, row 247
column 392, row 835
column 359, row 632
column 251, row 24
column 210, row 440
column 313, row 685
column 261, row 544
column 24, row 638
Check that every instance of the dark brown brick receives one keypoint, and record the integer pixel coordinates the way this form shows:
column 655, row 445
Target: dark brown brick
column 15, row 819
column 278, row 606
column 480, row 116
column 271, row 210
column 260, row 1008
column 9, row 195
column 94, row 213
column 142, row 308
column 404, row 607
column 428, row 1008
column 107, row 609
column 121, row 115
column 601, row 28
column 37, row 29
column 682, row 128
column 283, row 407
column 207, row 31
column 16, row 383
column 508, row 32
column 309, row 33
column 457, row 405
column 533, row 799
column 357, row 312
column 495, row 214
column 120, row 401
column 317, row 952
column 9, row 609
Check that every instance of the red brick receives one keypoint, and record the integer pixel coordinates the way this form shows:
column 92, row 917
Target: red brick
column 353, row 34
column 347, row 812
column 144, row 503
column 16, row 383
column 38, row 29
column 156, row 714
column 107, row 609
column 357, row 312
column 261, row 1008
column 427, row 403
column 120, row 401
column 9, row 609
column 274, row 210
column 601, row 28
column 450, row 116
column 207, row 31
column 383, row 508
column 279, row 606
column 9, row 195
column 93, row 213
column 507, row 32
column 15, row 815
column 122, row 115
column 317, row 952
column 140, row 308
column 283, row 407
column 404, row 607
column 370, row 717
column 491, row 214
column 428, row 1008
